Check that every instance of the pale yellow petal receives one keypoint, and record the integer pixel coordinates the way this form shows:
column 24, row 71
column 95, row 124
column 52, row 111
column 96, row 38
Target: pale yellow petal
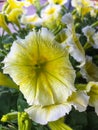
column 43, row 115
column 79, row 100
column 90, row 70
column 92, row 91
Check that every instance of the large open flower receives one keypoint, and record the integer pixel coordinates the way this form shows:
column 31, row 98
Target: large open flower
column 41, row 68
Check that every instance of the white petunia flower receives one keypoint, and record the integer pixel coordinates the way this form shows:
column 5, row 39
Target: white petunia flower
column 68, row 19
column 50, row 11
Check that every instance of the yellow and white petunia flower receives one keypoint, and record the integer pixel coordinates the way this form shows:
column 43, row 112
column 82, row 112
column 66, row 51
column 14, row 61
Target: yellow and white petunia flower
column 33, row 20
column 51, row 15
column 92, row 36
column 92, row 91
column 60, row 2
column 88, row 31
column 41, row 68
column 52, row 10
column 89, row 71
column 45, row 75
column 82, row 6
column 72, row 43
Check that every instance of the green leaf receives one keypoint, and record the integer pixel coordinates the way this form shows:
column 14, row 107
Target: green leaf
column 77, row 120
column 6, row 81
column 21, row 103
column 92, row 121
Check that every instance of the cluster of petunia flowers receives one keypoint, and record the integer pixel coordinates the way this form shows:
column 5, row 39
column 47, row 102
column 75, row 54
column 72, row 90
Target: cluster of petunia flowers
column 40, row 65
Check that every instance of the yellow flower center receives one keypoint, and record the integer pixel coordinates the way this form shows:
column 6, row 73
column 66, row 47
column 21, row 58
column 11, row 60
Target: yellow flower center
column 51, row 11
column 58, row 1
column 40, row 64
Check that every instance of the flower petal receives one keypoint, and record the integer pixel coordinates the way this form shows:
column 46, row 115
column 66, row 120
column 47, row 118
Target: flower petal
column 43, row 115
column 79, row 100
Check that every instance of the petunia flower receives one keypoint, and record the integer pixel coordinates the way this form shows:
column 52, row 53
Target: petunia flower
column 41, row 68
column 92, row 36
column 82, row 6
column 90, row 70
column 51, row 16
column 72, row 43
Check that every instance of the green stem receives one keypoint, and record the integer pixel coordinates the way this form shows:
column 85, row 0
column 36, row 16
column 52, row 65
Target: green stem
column 87, row 46
column 95, row 24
